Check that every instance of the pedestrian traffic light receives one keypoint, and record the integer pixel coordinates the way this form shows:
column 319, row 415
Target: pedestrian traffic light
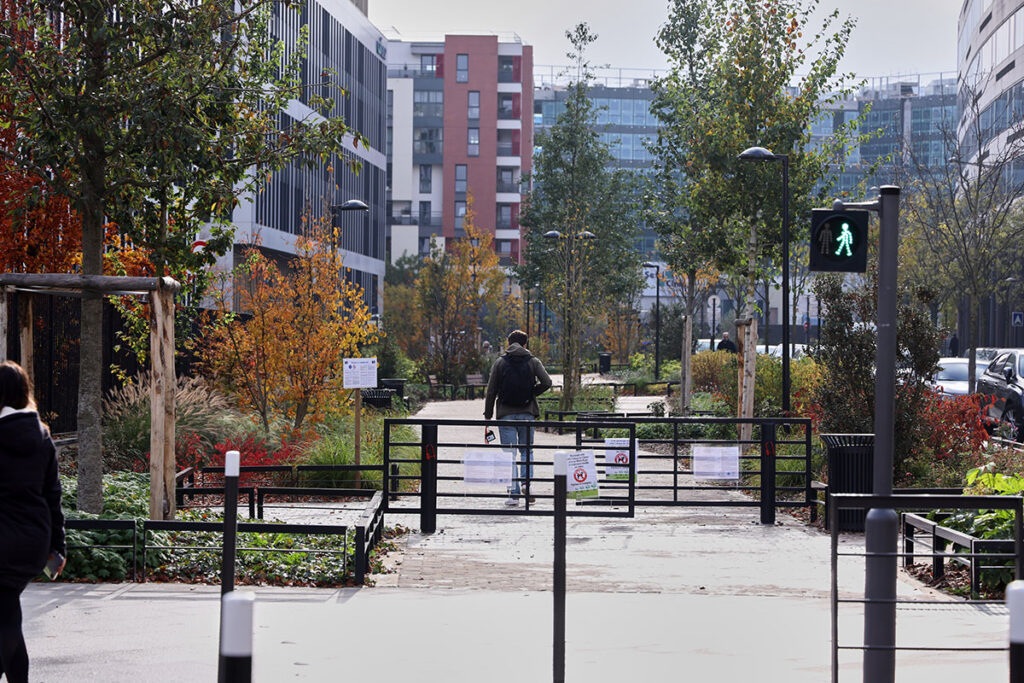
column 839, row 241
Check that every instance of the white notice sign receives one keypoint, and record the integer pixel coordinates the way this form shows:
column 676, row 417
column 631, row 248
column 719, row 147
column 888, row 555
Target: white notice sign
column 581, row 479
column 716, row 462
column 359, row 373
column 616, row 458
column 487, row 467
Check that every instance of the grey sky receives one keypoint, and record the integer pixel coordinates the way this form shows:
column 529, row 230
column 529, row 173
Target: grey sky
column 892, row 36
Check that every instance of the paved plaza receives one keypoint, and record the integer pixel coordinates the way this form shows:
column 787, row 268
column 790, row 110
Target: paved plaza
column 697, row 594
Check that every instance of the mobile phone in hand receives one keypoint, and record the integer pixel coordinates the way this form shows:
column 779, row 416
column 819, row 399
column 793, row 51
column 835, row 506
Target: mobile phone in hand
column 53, row 566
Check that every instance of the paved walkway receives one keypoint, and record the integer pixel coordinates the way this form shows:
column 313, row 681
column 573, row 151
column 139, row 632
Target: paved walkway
column 699, row 594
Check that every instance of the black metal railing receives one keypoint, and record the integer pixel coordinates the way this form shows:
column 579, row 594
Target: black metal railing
column 1012, row 553
column 429, row 500
column 775, row 462
column 125, row 525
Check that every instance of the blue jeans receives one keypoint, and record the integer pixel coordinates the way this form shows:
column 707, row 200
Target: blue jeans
column 521, row 437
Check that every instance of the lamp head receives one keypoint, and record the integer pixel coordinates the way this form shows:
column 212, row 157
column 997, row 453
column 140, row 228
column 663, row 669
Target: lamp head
column 352, row 205
column 756, row 154
column 552, row 234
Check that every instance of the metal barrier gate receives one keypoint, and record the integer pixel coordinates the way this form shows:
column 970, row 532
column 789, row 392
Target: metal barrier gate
column 775, row 461
column 434, row 459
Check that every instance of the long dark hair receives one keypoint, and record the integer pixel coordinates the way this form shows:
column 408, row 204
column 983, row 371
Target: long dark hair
column 15, row 391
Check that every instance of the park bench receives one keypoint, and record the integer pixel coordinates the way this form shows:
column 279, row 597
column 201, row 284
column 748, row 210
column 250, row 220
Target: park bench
column 439, row 389
column 474, row 382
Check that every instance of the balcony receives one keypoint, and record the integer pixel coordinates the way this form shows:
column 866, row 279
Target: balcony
column 432, row 220
column 508, row 149
column 508, row 187
column 507, row 115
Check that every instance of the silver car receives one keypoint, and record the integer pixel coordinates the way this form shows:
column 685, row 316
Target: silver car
column 951, row 377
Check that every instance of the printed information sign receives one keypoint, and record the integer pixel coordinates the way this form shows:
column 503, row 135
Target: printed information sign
column 581, row 479
column 616, row 458
column 716, row 462
column 359, row 373
column 487, row 467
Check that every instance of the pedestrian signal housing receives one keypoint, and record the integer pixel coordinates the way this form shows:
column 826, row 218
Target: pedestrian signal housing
column 839, row 241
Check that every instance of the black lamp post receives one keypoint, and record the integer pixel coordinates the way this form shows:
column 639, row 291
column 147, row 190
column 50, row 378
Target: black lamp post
column 657, row 317
column 762, row 154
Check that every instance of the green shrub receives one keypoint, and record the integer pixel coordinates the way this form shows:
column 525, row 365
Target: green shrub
column 335, row 445
column 125, row 496
column 203, row 418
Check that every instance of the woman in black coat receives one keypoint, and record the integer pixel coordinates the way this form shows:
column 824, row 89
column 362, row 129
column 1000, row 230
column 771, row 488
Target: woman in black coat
column 31, row 521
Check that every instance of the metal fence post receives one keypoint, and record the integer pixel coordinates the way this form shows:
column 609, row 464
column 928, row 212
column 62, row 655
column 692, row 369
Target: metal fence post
column 236, row 622
column 767, row 473
column 558, row 632
column 428, row 489
column 362, row 561
column 227, row 564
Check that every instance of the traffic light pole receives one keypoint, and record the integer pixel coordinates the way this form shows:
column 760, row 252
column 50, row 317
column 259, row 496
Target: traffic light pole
column 881, row 527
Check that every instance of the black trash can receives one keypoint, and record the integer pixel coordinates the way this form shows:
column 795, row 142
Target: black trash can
column 604, row 363
column 396, row 383
column 378, row 398
column 850, row 470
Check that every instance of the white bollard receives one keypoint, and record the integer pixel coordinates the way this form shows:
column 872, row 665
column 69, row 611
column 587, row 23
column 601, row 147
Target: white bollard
column 236, row 637
column 1015, row 605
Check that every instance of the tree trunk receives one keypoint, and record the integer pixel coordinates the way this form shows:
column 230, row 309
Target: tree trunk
column 685, row 380
column 27, row 341
column 972, row 343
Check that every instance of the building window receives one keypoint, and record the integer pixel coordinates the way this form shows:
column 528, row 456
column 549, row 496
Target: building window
column 473, row 148
column 424, row 213
column 508, row 108
column 460, row 177
column 428, row 103
column 427, row 140
column 506, row 179
column 426, row 174
column 504, row 216
column 460, row 213
column 461, row 68
column 473, row 110
column 428, row 64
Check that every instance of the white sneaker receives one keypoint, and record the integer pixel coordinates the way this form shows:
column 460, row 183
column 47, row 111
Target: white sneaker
column 511, row 502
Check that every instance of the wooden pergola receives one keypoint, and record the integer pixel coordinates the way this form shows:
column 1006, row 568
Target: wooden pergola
column 160, row 294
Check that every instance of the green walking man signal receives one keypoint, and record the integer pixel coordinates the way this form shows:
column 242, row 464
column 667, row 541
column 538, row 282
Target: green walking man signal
column 839, row 241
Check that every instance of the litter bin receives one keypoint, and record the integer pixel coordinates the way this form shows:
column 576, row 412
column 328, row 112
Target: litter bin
column 396, row 383
column 850, row 470
column 604, row 363
column 378, row 398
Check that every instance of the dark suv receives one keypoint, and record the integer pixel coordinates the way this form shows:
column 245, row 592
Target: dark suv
column 1003, row 382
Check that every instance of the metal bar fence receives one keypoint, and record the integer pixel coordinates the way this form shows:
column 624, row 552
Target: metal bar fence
column 106, row 525
column 918, row 503
column 433, row 452
column 763, row 456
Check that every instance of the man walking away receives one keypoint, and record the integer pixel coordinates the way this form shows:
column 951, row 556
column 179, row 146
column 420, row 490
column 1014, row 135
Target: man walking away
column 517, row 379
column 726, row 344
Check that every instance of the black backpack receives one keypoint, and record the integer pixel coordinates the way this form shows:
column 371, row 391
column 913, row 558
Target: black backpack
column 517, row 380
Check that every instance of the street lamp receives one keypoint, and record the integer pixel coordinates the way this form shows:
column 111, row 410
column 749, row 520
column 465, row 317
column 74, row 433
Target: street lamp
column 347, row 205
column 762, row 154
column 657, row 317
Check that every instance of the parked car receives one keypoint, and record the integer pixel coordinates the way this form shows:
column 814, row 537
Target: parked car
column 1002, row 382
column 951, row 377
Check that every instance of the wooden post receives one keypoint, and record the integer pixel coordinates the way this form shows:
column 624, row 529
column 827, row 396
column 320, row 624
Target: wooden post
column 359, row 410
column 746, row 338
column 157, row 392
column 166, row 296
column 3, row 323
column 25, row 336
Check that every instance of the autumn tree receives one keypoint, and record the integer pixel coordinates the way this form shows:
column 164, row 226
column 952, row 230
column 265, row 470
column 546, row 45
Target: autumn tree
column 283, row 355
column 403, row 318
column 453, row 288
column 162, row 114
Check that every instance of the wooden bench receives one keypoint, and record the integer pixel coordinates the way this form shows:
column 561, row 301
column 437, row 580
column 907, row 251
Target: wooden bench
column 474, row 382
column 436, row 388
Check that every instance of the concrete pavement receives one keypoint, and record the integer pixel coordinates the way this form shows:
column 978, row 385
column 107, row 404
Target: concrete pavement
column 673, row 594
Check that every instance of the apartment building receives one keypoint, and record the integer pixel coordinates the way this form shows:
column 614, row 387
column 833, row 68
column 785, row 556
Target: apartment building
column 459, row 123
